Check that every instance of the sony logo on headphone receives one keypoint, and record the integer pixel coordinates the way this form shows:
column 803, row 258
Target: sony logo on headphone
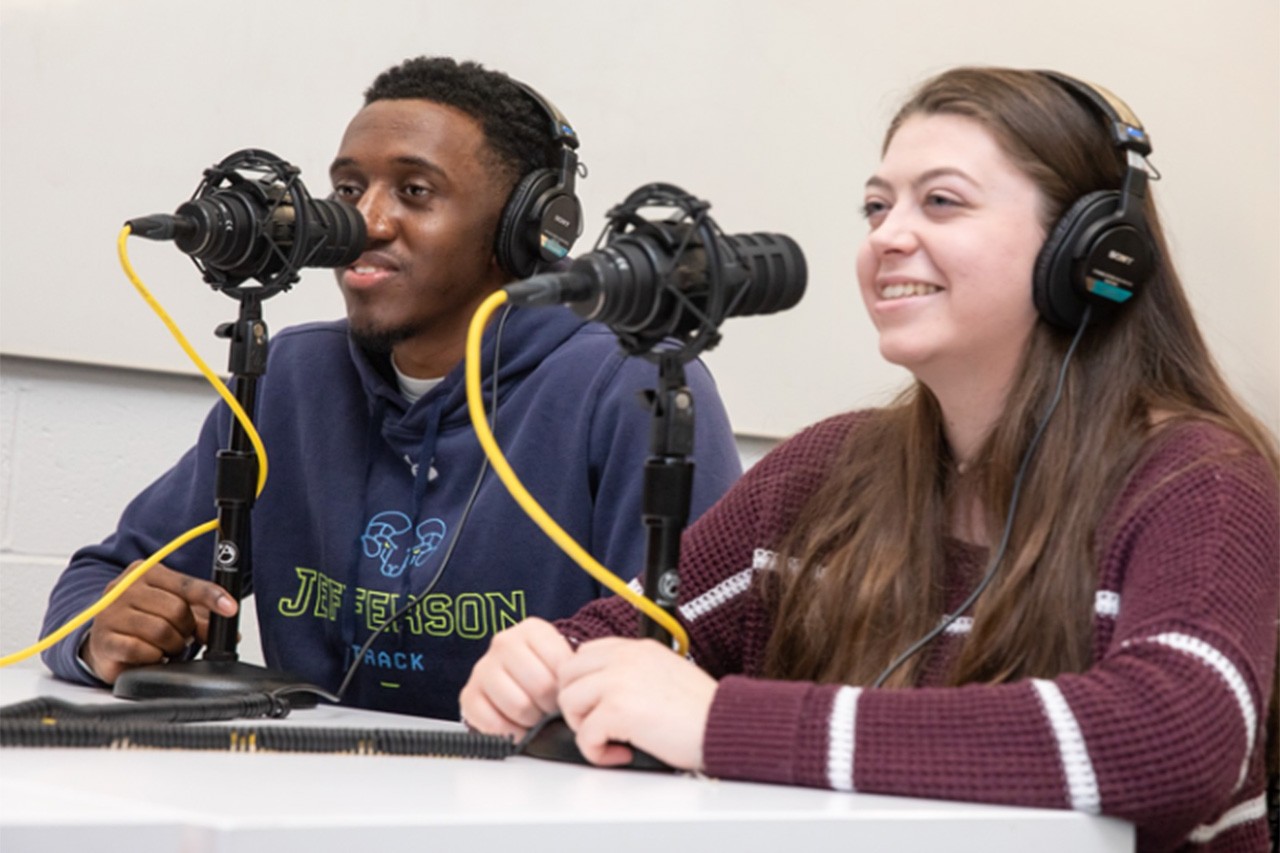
column 1120, row 257
column 560, row 220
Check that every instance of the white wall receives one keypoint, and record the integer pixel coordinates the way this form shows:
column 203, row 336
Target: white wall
column 771, row 110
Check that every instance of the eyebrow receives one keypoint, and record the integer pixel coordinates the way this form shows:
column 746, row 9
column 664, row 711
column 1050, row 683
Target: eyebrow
column 924, row 177
column 408, row 160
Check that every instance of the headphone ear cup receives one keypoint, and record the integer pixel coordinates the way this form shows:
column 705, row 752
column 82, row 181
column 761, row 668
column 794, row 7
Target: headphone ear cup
column 1058, row 297
column 516, row 244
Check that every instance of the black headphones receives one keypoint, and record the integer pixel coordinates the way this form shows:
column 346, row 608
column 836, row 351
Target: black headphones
column 1100, row 252
column 542, row 217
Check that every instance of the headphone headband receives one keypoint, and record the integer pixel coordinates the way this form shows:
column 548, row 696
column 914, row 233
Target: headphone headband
column 561, row 130
column 1125, row 129
column 543, row 217
column 1100, row 252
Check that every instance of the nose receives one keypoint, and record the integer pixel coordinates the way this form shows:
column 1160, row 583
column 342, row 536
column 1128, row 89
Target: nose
column 378, row 215
column 895, row 233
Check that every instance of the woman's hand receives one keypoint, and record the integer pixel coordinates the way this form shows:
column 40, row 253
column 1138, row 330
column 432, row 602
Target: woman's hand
column 617, row 691
column 514, row 685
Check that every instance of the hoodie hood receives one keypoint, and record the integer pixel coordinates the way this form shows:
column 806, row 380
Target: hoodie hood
column 528, row 336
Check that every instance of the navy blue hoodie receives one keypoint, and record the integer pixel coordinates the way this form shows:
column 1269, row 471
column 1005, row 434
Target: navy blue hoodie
column 365, row 493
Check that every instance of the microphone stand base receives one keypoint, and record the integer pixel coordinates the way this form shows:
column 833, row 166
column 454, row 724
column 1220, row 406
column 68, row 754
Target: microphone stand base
column 203, row 679
column 553, row 740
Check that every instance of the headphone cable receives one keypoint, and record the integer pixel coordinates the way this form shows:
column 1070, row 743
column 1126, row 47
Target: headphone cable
column 415, row 601
column 1014, row 495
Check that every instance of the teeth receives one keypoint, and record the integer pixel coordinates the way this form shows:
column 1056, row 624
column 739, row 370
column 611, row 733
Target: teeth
column 365, row 270
column 913, row 288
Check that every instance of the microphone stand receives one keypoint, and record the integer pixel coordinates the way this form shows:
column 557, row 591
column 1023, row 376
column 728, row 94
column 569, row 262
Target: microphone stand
column 220, row 672
column 668, row 483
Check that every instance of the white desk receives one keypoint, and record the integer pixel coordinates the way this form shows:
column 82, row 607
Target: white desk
column 134, row 801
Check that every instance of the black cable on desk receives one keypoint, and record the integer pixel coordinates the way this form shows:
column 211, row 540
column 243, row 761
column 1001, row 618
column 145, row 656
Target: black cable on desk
column 82, row 733
column 247, row 707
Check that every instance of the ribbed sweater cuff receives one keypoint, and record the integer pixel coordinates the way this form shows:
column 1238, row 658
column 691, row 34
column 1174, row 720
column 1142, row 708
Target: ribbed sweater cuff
column 766, row 731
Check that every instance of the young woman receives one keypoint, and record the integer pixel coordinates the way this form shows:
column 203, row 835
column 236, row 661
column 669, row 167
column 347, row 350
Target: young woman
column 1087, row 474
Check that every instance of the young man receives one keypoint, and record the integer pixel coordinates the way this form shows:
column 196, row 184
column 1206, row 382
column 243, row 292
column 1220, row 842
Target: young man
column 374, row 467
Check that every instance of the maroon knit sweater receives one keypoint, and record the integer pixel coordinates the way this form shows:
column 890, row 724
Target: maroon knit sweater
column 1167, row 729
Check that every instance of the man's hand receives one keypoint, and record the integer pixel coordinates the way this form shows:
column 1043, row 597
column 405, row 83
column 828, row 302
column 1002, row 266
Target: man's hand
column 156, row 618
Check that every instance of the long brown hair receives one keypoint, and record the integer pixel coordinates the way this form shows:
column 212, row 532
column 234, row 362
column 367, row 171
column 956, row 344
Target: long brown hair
column 868, row 549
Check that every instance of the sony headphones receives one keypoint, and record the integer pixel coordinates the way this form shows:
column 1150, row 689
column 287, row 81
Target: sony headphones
column 1100, row 252
column 542, row 217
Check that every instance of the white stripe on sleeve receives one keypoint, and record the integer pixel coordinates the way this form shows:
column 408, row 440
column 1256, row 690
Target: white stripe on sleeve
column 1235, row 682
column 719, row 594
column 1249, row 810
column 841, row 734
column 1106, row 603
column 1082, row 783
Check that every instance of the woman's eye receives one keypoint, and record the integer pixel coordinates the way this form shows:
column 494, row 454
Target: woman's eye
column 872, row 209
column 936, row 200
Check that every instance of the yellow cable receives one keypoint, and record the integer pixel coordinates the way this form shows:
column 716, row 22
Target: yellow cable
column 199, row 362
column 475, row 405
column 106, row 600
column 146, row 565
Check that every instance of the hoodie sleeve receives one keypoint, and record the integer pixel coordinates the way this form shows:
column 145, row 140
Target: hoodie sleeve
column 182, row 498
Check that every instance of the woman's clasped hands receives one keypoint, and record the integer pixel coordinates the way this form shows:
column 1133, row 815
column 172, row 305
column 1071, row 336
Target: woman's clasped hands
column 614, row 693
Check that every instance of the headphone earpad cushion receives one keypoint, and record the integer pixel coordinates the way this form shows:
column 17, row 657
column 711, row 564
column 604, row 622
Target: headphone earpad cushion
column 1056, row 295
column 515, row 245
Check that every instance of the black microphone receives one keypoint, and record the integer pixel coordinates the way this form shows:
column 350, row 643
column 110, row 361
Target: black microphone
column 251, row 217
column 675, row 278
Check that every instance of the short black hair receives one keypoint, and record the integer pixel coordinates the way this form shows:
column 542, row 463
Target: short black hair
column 517, row 129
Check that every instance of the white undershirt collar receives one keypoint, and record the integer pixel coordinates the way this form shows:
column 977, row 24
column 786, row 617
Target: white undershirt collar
column 411, row 387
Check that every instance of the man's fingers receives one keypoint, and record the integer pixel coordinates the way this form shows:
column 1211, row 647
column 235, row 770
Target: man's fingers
column 194, row 591
column 157, row 617
column 108, row 653
column 131, row 642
